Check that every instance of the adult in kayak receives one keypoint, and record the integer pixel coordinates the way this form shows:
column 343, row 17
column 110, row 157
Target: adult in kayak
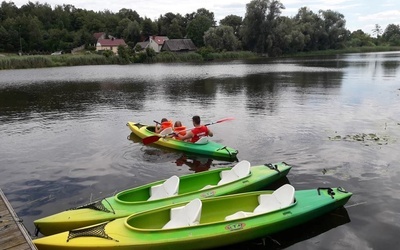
column 197, row 132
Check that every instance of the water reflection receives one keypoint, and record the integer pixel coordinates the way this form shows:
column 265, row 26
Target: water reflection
column 75, row 98
column 63, row 134
column 300, row 233
column 195, row 164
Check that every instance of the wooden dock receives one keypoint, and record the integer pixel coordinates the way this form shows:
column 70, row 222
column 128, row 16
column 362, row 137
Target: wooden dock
column 13, row 235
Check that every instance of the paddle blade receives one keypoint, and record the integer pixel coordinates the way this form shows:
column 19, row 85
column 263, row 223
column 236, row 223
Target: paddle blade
column 150, row 139
column 225, row 119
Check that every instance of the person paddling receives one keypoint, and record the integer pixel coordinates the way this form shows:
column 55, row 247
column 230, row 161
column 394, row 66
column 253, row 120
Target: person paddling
column 197, row 132
column 163, row 125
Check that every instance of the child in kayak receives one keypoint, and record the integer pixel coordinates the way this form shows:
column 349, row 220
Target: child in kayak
column 179, row 129
column 163, row 125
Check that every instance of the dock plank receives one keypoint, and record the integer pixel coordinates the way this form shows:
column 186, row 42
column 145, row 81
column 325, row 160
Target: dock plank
column 13, row 235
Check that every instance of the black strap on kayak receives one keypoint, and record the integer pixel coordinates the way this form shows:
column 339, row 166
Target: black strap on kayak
column 273, row 167
column 136, row 124
column 95, row 231
column 97, row 205
column 227, row 150
column 330, row 191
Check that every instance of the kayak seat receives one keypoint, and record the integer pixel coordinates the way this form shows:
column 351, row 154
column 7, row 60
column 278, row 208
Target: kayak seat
column 202, row 140
column 279, row 199
column 185, row 216
column 167, row 131
column 167, row 189
column 239, row 171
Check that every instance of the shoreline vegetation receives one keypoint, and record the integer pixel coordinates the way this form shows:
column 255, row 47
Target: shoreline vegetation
column 45, row 61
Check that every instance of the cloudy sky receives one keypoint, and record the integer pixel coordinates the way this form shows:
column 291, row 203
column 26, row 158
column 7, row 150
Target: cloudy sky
column 359, row 14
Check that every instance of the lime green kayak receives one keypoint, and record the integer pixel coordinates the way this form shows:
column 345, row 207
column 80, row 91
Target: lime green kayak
column 208, row 148
column 206, row 223
column 201, row 185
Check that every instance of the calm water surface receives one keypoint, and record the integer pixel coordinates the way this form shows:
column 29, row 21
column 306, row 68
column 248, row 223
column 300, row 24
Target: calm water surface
column 64, row 140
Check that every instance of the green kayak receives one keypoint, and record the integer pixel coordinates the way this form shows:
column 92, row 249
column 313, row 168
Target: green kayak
column 216, row 182
column 207, row 223
column 204, row 147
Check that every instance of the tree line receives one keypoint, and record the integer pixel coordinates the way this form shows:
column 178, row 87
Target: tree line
column 37, row 28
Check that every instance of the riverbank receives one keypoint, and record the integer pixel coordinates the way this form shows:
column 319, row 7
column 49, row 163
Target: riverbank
column 45, row 61
column 345, row 51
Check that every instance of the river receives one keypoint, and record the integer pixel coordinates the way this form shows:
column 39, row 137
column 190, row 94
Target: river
column 336, row 119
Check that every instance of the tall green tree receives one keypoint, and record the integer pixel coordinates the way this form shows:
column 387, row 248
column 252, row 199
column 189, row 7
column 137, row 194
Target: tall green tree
column 273, row 14
column 335, row 33
column 259, row 25
column 311, row 26
column 130, row 14
column 175, row 30
column 253, row 31
column 391, row 34
column 164, row 22
column 289, row 38
column 233, row 21
column 8, row 10
column 221, row 38
column 196, row 29
column 149, row 28
column 359, row 38
column 201, row 12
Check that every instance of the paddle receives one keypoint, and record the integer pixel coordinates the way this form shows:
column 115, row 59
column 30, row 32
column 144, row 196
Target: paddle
column 155, row 138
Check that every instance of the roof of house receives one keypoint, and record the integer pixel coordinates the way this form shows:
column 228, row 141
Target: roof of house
column 179, row 45
column 159, row 39
column 143, row 44
column 111, row 42
column 97, row 35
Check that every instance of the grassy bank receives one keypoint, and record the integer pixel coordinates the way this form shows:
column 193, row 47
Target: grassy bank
column 345, row 51
column 43, row 61
column 26, row 62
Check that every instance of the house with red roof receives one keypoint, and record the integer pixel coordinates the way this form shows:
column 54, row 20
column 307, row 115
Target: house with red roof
column 156, row 42
column 109, row 44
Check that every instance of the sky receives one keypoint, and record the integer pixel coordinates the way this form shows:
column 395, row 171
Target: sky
column 359, row 14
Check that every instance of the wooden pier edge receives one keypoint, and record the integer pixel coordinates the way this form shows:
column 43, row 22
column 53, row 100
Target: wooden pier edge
column 13, row 234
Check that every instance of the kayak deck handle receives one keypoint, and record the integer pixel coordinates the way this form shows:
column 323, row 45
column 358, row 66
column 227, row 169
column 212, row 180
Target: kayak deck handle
column 273, row 167
column 330, row 191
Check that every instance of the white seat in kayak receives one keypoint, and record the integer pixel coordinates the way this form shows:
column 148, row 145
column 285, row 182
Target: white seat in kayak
column 185, row 216
column 239, row 171
column 166, row 131
column 169, row 188
column 279, row 199
column 202, row 140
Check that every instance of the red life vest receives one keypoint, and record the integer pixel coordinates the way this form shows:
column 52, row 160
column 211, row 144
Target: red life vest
column 199, row 132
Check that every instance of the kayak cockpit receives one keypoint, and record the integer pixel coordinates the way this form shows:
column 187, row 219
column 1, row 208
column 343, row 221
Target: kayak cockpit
column 218, row 210
column 186, row 184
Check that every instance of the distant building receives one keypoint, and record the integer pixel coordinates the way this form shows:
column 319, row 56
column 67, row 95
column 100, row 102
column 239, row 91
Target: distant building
column 143, row 45
column 156, row 42
column 109, row 44
column 179, row 45
column 99, row 35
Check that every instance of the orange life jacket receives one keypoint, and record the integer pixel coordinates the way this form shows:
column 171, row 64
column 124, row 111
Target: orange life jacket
column 167, row 124
column 180, row 130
